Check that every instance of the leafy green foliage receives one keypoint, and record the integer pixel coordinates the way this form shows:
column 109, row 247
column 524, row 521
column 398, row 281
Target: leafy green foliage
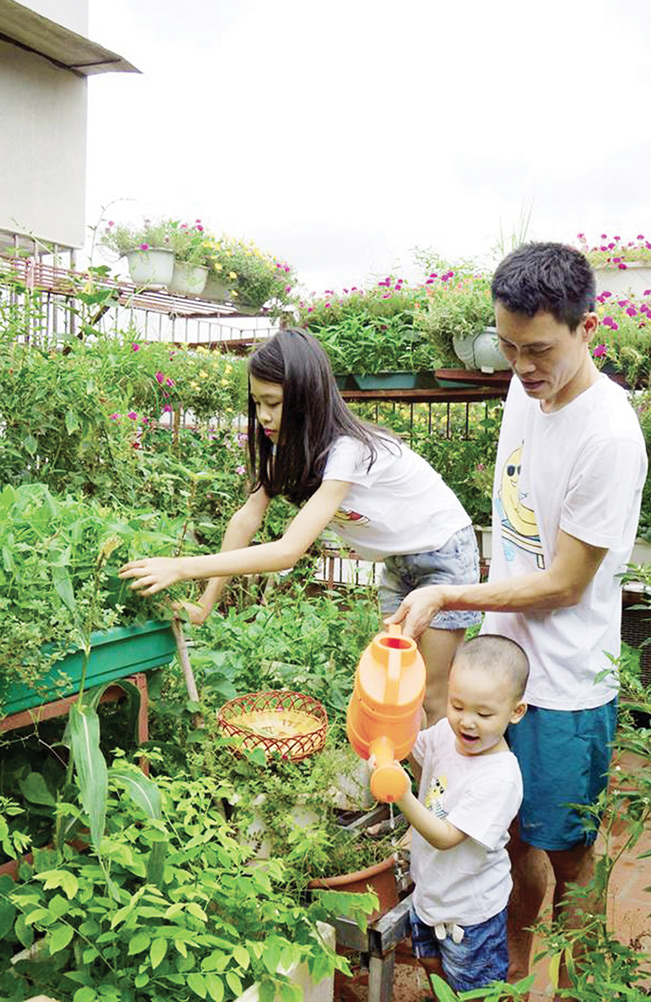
column 212, row 924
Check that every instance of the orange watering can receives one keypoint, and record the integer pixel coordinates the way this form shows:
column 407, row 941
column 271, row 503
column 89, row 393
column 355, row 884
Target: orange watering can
column 384, row 713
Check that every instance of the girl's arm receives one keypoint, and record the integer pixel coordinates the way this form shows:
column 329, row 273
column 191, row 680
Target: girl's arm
column 152, row 575
column 239, row 532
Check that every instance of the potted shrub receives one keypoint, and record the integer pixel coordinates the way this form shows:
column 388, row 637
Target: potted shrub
column 147, row 249
column 620, row 266
column 189, row 244
column 253, row 278
column 458, row 319
column 370, row 335
column 66, row 616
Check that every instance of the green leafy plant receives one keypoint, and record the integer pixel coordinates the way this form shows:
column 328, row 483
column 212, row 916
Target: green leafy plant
column 207, row 927
column 623, row 340
column 370, row 330
column 457, row 306
column 252, row 277
column 122, row 238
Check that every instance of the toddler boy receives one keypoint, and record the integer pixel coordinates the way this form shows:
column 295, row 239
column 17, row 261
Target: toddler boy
column 470, row 792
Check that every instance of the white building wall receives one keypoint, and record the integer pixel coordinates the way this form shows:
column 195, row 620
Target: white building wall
column 43, row 148
column 71, row 14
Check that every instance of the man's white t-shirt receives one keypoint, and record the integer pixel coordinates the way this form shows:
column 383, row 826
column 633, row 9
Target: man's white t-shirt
column 401, row 505
column 480, row 795
column 580, row 469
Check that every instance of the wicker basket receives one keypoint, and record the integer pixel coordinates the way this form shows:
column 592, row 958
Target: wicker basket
column 278, row 720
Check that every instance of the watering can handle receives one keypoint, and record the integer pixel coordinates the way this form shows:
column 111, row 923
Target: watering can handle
column 392, row 688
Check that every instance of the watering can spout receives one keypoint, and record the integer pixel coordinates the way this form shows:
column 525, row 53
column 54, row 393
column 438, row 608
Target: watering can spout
column 384, row 713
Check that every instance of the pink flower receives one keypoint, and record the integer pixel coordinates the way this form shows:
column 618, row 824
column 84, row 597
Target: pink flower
column 614, row 326
column 144, row 246
column 288, row 288
column 111, row 223
column 160, row 377
column 607, row 321
column 241, row 470
column 242, row 439
column 114, row 417
column 631, row 311
column 640, row 236
column 135, row 347
column 647, row 292
column 326, row 305
column 132, row 415
column 200, row 228
column 604, row 236
column 617, row 238
column 167, row 409
column 599, row 351
column 169, row 382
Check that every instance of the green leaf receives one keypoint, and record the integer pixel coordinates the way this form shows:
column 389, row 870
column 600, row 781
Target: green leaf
column 215, row 987
column 85, row 994
column 141, row 980
column 142, row 790
column 242, row 957
column 234, row 983
column 34, row 788
column 30, row 444
column 7, row 915
column 59, row 937
column 90, row 767
column 443, row 991
column 59, row 878
column 24, row 932
column 58, row 906
column 72, row 422
column 63, row 586
column 157, row 952
column 138, row 943
column 197, row 983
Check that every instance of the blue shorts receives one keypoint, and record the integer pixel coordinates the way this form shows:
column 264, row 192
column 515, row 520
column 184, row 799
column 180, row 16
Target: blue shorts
column 482, row 955
column 564, row 757
column 456, row 562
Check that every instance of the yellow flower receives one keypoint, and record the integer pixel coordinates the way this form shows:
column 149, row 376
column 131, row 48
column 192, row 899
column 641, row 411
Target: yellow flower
column 195, row 386
column 228, row 368
column 218, row 267
column 232, row 274
column 224, row 382
column 234, row 293
column 203, row 373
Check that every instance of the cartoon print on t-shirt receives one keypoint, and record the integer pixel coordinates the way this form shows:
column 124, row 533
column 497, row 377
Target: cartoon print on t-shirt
column 434, row 796
column 346, row 515
column 519, row 524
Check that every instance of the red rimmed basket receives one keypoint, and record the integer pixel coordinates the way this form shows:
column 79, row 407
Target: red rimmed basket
column 276, row 720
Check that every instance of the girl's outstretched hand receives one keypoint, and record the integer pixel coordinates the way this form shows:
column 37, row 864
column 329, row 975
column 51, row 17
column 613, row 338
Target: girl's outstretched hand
column 152, row 575
column 195, row 611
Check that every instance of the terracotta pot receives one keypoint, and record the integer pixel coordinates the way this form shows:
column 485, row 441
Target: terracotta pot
column 380, row 878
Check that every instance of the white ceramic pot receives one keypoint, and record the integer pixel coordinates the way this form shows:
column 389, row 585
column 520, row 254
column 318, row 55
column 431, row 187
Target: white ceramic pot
column 635, row 278
column 188, row 279
column 215, row 290
column 480, row 351
column 298, row 974
column 151, row 268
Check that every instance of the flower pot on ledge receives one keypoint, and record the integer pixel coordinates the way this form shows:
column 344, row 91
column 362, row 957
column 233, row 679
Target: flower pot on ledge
column 152, row 267
column 481, row 351
column 380, row 878
column 394, row 381
column 188, row 279
column 634, row 278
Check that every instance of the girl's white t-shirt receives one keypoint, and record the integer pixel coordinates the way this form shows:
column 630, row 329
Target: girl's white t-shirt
column 401, row 505
column 580, row 469
column 480, row 795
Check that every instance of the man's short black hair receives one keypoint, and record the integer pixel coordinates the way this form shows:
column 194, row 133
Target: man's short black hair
column 547, row 277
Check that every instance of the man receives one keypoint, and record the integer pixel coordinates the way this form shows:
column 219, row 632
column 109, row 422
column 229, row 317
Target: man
column 570, row 468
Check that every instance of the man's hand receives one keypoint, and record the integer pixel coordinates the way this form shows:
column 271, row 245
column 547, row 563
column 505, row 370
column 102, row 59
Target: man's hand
column 152, row 575
column 417, row 610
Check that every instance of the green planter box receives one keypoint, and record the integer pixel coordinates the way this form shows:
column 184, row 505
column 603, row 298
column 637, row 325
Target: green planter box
column 115, row 654
column 396, row 381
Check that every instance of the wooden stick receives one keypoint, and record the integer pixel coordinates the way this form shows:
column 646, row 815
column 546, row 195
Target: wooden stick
column 188, row 674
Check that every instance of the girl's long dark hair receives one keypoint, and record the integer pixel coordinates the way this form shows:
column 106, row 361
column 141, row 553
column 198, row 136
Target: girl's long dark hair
column 314, row 415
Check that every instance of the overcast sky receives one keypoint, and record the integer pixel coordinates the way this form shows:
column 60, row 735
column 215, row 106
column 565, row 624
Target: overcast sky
column 342, row 134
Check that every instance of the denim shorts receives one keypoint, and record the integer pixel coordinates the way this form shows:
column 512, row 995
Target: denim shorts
column 456, row 562
column 482, row 955
column 564, row 757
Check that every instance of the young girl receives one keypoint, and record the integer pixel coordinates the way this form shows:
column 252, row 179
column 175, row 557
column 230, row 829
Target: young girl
column 385, row 501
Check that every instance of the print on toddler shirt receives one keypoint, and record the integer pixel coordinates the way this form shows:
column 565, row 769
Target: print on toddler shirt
column 434, row 796
column 344, row 515
column 519, row 524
